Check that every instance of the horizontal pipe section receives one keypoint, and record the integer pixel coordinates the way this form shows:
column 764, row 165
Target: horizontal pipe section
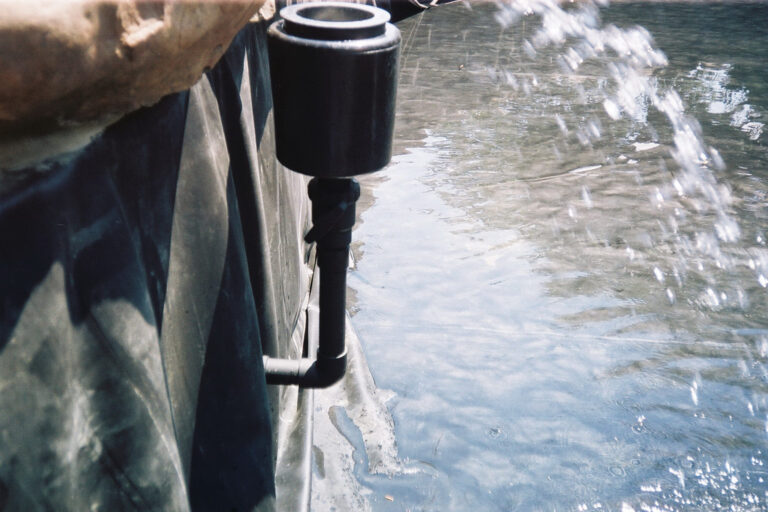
column 308, row 373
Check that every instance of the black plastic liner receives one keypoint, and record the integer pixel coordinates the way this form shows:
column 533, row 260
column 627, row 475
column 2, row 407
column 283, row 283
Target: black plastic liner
column 140, row 280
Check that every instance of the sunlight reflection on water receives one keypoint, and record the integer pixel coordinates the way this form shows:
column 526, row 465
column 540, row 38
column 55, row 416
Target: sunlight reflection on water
column 561, row 326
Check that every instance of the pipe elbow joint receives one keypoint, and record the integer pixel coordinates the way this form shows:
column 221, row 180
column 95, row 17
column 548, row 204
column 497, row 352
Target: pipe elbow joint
column 325, row 371
column 322, row 372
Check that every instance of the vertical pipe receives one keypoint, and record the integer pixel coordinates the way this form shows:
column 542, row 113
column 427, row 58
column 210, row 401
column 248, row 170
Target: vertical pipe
column 331, row 199
column 333, row 216
column 334, row 77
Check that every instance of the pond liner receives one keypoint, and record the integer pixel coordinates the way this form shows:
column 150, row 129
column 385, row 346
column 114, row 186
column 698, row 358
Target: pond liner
column 130, row 331
column 142, row 279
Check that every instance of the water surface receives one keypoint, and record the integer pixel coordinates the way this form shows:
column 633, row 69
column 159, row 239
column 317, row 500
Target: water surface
column 559, row 330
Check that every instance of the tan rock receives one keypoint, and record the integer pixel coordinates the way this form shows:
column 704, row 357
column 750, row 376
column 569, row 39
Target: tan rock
column 73, row 62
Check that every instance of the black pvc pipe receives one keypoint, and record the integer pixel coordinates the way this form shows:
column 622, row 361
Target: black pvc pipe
column 334, row 78
column 333, row 216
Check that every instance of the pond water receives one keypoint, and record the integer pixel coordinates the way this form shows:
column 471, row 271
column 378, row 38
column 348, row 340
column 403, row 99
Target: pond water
column 564, row 322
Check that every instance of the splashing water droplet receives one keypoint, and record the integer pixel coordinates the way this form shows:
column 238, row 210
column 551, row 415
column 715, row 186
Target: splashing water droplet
column 593, row 127
column 612, row 109
column 717, row 160
column 561, row 124
column 695, row 390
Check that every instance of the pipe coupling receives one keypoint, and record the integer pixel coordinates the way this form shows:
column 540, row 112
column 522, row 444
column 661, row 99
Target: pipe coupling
column 334, row 80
